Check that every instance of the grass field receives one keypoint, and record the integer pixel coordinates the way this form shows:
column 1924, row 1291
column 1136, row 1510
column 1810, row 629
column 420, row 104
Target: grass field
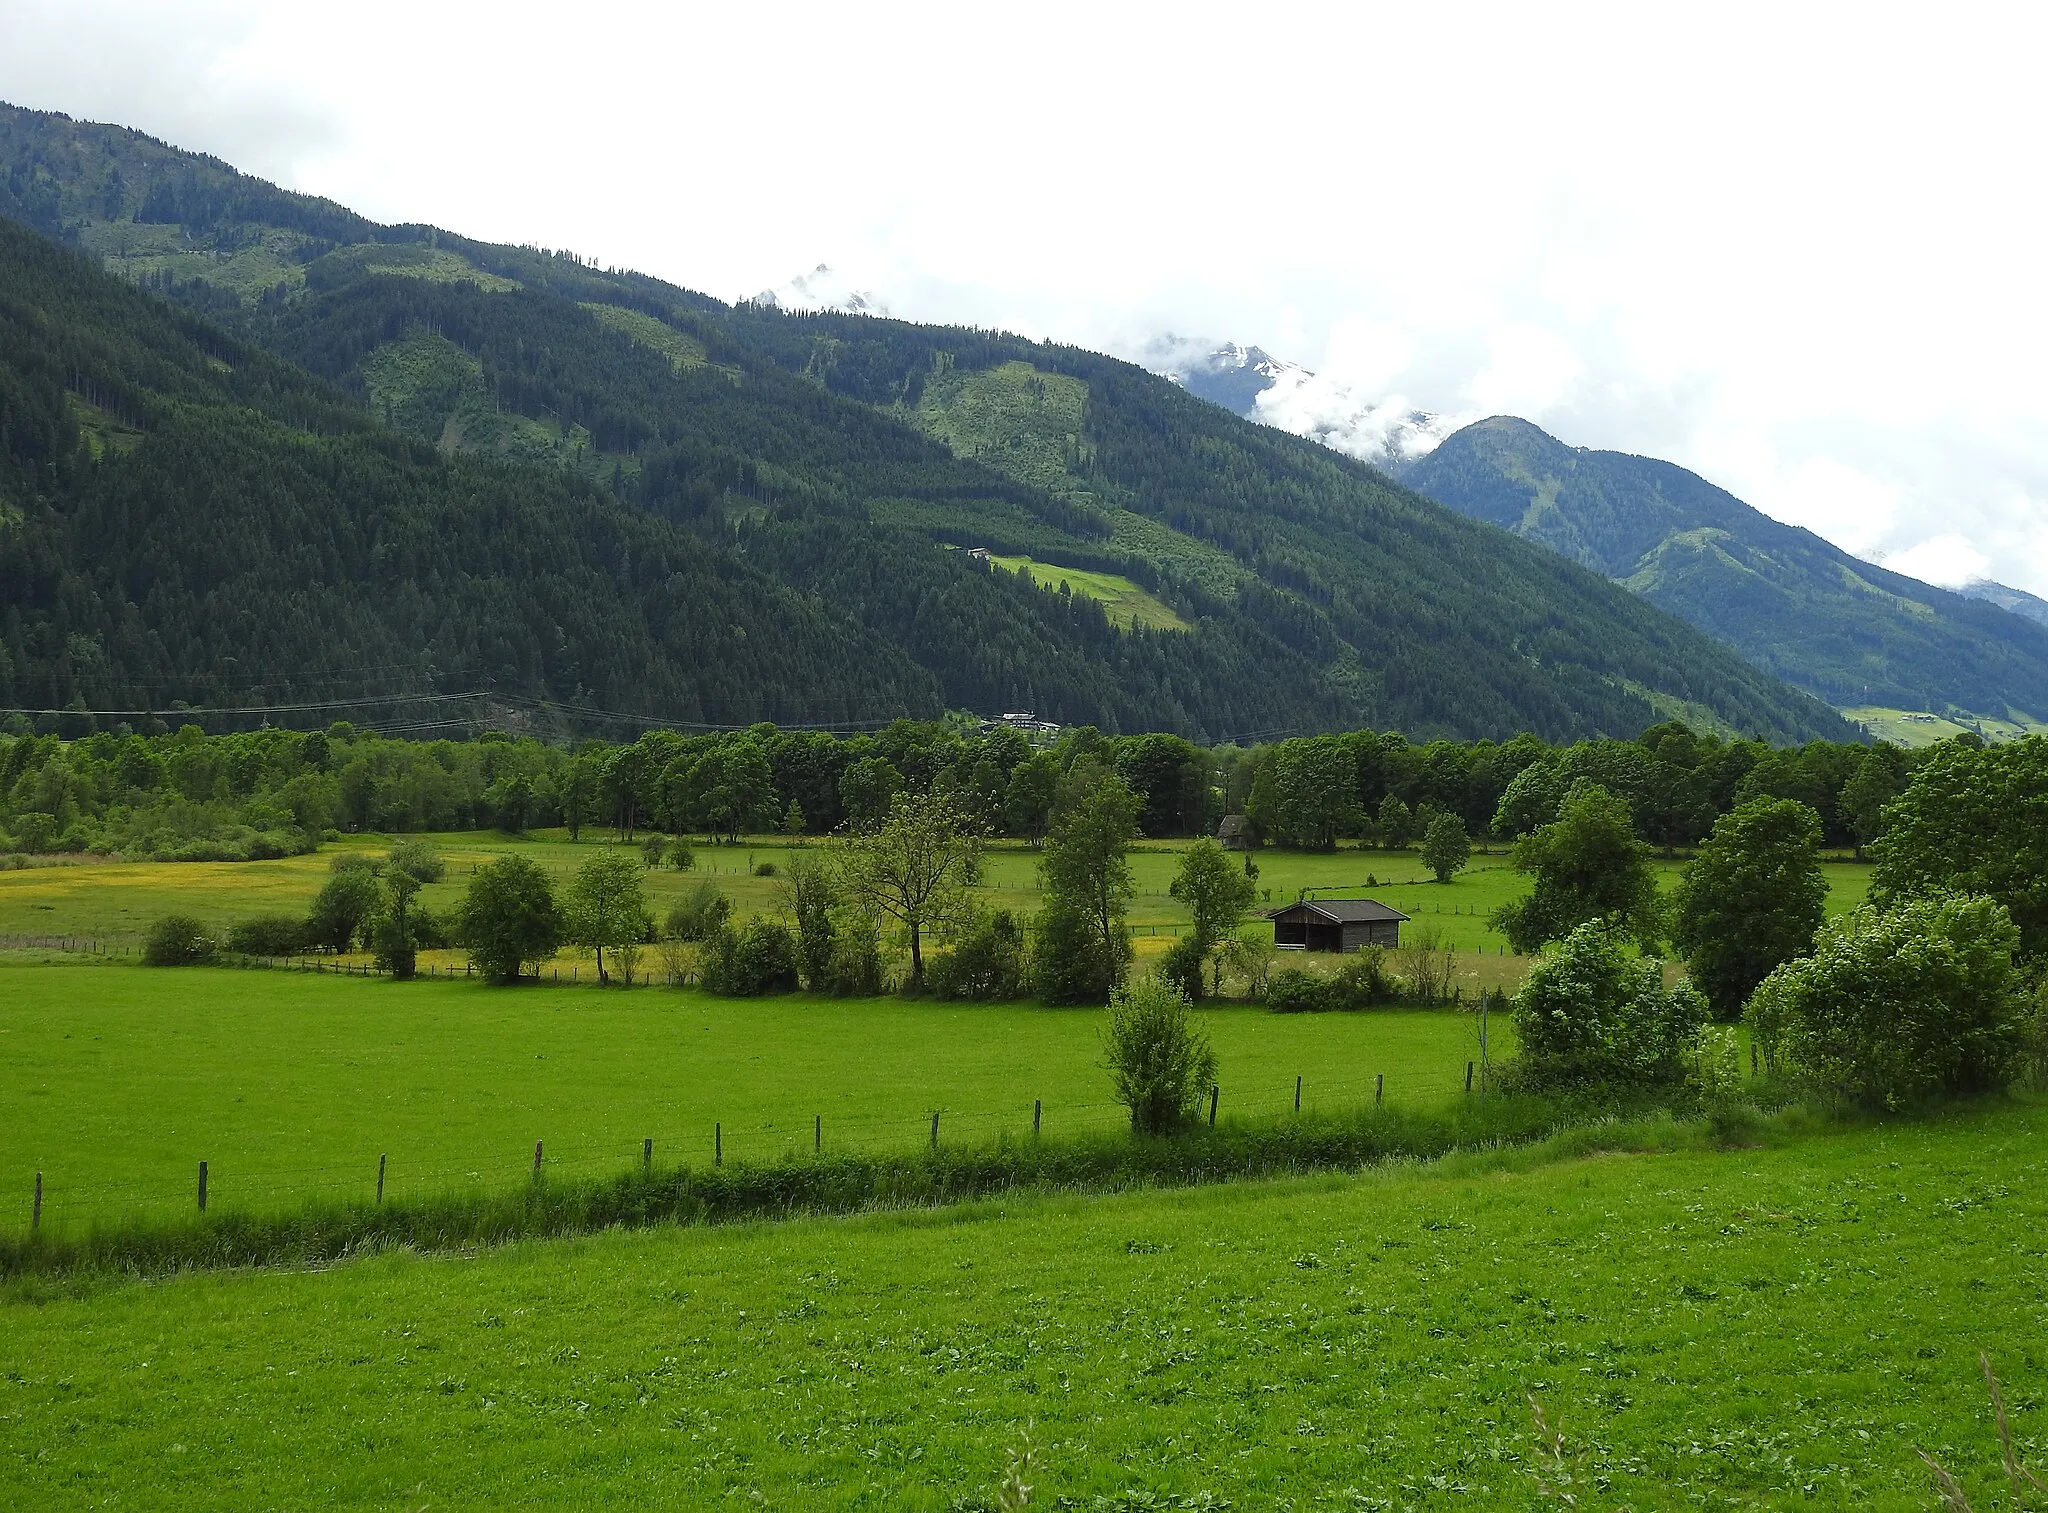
column 1125, row 602
column 1914, row 730
column 1765, row 1328
column 120, row 1079
column 118, row 901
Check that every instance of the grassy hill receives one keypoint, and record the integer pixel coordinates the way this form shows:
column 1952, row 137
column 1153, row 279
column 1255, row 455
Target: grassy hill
column 822, row 465
column 1793, row 604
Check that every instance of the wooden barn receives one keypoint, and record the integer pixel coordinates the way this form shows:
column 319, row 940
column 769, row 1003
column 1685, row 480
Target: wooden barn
column 1336, row 924
column 1235, row 833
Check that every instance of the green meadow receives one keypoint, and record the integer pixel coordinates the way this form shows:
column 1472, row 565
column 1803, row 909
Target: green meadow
column 120, row 1079
column 118, row 901
column 1779, row 1326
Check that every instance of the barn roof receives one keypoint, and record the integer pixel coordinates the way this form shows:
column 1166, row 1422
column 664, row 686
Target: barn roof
column 1344, row 911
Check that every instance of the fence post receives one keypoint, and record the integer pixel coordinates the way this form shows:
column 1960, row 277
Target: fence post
column 1037, row 1115
column 1297, row 1092
column 380, row 1176
column 1214, row 1093
column 817, row 1132
column 1468, row 1077
column 35, row 1218
column 202, row 1187
column 718, row 1145
column 1379, row 1087
column 935, row 1129
column 536, row 1160
column 647, row 1154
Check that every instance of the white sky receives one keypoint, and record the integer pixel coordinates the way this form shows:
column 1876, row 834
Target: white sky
column 1799, row 249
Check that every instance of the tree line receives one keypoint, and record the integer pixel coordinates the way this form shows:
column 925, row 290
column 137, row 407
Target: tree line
column 187, row 795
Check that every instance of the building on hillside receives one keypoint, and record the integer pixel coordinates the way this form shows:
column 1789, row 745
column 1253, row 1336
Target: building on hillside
column 1336, row 924
column 1235, row 833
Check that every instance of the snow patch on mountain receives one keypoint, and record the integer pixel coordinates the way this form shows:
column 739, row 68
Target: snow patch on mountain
column 1388, row 432
column 822, row 289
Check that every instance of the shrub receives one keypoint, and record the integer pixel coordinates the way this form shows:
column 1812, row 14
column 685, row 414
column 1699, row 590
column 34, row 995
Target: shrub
column 1361, row 982
column 268, row 935
column 1250, row 958
column 1591, row 1014
column 1900, row 1005
column 855, row 970
column 1158, row 1057
column 417, row 859
column 986, row 965
column 681, row 854
column 178, row 940
column 764, row 869
column 700, row 913
column 1293, row 991
column 1181, row 967
column 354, row 861
column 1070, row 962
column 748, row 963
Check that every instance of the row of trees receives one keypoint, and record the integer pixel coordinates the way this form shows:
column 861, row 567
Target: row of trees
column 185, row 795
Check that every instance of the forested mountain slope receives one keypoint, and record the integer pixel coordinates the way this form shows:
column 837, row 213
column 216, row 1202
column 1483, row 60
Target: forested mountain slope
column 184, row 517
column 1789, row 601
column 827, row 463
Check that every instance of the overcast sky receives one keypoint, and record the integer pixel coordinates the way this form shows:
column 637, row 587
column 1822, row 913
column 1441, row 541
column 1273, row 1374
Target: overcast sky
column 1797, row 249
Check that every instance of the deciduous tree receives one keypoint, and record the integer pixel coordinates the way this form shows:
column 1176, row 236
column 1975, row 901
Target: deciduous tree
column 1751, row 900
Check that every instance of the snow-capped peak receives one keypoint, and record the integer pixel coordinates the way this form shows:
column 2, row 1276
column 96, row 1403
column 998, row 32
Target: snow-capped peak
column 823, row 288
column 1389, row 432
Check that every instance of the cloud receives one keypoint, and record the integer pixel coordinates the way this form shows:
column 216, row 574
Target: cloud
column 1950, row 561
column 1783, row 252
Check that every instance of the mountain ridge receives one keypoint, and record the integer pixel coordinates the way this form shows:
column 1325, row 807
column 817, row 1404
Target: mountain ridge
column 837, row 455
column 1849, row 631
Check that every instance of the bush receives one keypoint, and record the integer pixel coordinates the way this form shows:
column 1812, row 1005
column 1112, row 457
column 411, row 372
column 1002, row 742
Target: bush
column 748, row 963
column 986, row 965
column 1896, row 1006
column 1362, row 982
column 855, row 970
column 1158, row 1057
column 1181, row 967
column 1293, row 991
column 1069, row 962
column 268, row 935
column 178, row 940
column 417, row 860
column 764, row 869
column 699, row 914
column 1592, row 1015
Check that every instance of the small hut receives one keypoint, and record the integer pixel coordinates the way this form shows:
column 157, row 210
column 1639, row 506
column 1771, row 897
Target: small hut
column 1235, row 833
column 1336, row 924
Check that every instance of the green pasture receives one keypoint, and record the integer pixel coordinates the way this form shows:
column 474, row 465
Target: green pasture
column 118, row 901
column 1772, row 1327
column 1125, row 602
column 120, row 1079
